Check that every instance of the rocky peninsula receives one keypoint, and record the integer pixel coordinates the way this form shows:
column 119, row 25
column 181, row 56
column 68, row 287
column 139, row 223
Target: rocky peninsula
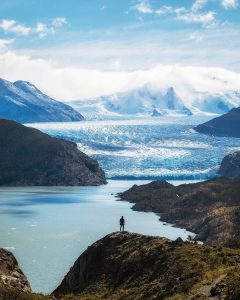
column 227, row 125
column 211, row 209
column 29, row 157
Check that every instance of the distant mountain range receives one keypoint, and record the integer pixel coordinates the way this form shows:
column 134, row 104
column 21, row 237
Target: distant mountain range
column 150, row 100
column 23, row 102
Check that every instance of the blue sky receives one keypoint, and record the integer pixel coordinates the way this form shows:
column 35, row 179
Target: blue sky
column 126, row 35
column 180, row 30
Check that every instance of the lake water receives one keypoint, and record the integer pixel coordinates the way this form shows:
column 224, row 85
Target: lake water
column 48, row 228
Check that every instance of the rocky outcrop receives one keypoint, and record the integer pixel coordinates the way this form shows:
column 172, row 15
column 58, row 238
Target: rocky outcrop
column 230, row 166
column 211, row 209
column 132, row 267
column 13, row 283
column 10, row 273
column 226, row 125
column 29, row 157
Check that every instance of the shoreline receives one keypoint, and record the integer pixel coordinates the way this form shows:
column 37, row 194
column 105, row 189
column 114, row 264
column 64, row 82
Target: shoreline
column 204, row 208
column 68, row 219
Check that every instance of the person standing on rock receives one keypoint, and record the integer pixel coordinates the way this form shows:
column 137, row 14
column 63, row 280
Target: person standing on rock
column 122, row 223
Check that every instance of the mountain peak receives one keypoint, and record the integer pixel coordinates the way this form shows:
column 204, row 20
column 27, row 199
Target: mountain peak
column 23, row 83
column 5, row 83
column 26, row 86
column 23, row 102
column 171, row 90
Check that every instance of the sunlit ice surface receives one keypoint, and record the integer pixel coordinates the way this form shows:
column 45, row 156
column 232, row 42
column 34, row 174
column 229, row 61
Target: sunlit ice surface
column 157, row 148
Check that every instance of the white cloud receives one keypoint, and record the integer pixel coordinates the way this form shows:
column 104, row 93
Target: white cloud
column 6, row 24
column 11, row 26
column 139, row 49
column 194, row 14
column 191, row 15
column 69, row 83
column 229, row 3
column 4, row 43
column 199, row 4
column 20, row 29
column 41, row 29
column 144, row 7
column 195, row 36
column 205, row 18
column 164, row 10
column 180, row 10
column 59, row 22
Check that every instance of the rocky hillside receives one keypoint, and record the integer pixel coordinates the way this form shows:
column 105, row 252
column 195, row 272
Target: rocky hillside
column 211, row 209
column 21, row 101
column 225, row 125
column 10, row 273
column 136, row 267
column 230, row 166
column 13, row 283
column 133, row 267
column 29, row 157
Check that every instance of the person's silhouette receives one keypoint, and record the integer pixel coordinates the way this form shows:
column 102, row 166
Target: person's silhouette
column 122, row 223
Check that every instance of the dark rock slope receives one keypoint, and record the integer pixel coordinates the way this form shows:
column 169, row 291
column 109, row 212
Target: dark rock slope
column 133, row 267
column 10, row 273
column 211, row 209
column 226, row 125
column 230, row 166
column 13, row 283
column 29, row 157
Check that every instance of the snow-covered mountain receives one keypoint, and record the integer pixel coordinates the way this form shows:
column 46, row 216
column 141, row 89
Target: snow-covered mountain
column 146, row 100
column 23, row 102
column 152, row 100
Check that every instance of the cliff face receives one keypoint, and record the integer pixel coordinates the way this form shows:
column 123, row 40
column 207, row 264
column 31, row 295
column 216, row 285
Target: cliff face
column 211, row 209
column 10, row 273
column 29, row 157
column 13, row 283
column 133, row 267
column 230, row 166
column 225, row 125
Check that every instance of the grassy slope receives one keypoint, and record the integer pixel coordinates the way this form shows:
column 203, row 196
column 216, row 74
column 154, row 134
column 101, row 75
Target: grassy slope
column 136, row 267
column 133, row 267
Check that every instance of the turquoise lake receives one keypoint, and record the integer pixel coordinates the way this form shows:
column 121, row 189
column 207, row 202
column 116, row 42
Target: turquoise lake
column 48, row 228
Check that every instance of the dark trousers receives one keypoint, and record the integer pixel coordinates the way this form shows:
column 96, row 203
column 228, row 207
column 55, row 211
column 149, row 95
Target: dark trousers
column 121, row 227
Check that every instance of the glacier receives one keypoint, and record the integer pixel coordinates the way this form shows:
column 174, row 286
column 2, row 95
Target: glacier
column 21, row 101
column 150, row 148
